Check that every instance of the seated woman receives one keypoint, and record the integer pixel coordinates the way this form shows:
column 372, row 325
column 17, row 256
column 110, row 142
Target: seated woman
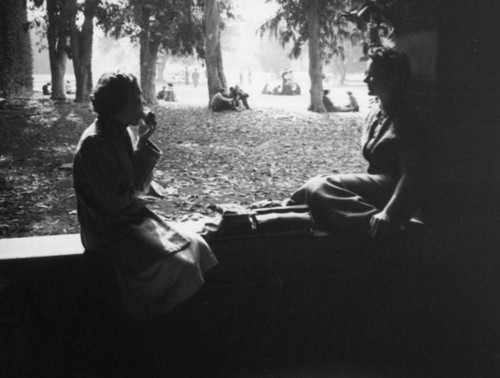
column 353, row 103
column 394, row 144
column 158, row 266
column 240, row 98
column 327, row 102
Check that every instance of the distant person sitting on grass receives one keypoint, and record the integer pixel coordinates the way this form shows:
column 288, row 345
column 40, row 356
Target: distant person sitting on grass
column 221, row 101
column 68, row 88
column 162, row 94
column 158, row 266
column 46, row 89
column 353, row 103
column 170, row 94
column 327, row 102
column 238, row 96
column 266, row 89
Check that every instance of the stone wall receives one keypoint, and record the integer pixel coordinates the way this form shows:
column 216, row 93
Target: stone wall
column 457, row 90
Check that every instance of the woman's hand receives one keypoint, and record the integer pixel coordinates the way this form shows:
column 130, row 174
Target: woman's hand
column 147, row 127
column 381, row 225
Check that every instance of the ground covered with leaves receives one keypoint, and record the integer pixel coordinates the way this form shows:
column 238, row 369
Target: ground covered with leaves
column 208, row 158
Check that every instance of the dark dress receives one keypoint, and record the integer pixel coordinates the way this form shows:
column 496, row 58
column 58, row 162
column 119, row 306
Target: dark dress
column 157, row 265
column 348, row 201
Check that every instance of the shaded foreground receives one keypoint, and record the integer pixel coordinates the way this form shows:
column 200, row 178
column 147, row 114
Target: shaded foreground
column 208, row 158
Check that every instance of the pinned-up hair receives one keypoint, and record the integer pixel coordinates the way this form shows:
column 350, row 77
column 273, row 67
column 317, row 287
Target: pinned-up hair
column 112, row 92
column 393, row 63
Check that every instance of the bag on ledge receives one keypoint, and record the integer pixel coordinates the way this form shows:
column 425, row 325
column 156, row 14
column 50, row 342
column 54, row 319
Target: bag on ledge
column 238, row 221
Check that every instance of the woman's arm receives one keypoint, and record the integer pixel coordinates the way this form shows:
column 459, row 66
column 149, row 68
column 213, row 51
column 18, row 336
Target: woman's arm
column 406, row 198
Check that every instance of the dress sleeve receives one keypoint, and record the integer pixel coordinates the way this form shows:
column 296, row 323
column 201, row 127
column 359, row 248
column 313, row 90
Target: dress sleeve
column 104, row 173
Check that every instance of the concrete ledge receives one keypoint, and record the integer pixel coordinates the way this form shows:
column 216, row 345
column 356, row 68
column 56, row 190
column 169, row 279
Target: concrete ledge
column 40, row 247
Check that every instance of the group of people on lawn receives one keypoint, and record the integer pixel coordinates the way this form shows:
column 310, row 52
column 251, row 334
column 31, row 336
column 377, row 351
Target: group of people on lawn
column 235, row 100
column 157, row 264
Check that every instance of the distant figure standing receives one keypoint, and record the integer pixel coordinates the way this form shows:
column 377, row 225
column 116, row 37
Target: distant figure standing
column 241, row 78
column 353, row 103
column 249, row 77
column 195, row 77
column 46, row 89
column 186, row 76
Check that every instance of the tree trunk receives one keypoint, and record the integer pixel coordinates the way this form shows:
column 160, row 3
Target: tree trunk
column 148, row 56
column 81, row 48
column 315, row 62
column 215, row 72
column 58, row 13
column 16, row 59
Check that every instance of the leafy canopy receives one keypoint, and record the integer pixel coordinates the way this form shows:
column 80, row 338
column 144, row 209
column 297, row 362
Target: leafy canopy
column 289, row 25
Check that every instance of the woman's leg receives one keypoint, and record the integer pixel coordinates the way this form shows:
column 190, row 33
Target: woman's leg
column 345, row 201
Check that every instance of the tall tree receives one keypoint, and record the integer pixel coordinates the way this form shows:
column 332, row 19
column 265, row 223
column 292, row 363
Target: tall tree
column 58, row 19
column 315, row 62
column 215, row 70
column 16, row 63
column 318, row 22
column 81, row 42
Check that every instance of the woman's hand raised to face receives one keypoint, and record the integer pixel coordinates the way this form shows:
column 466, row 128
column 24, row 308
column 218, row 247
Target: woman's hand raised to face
column 147, row 126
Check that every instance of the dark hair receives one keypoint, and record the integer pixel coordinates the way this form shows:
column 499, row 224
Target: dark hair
column 392, row 63
column 349, row 93
column 325, row 92
column 112, row 92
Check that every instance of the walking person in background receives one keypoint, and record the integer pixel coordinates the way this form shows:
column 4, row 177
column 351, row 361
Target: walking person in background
column 195, row 76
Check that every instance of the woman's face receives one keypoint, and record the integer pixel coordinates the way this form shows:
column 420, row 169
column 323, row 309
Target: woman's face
column 378, row 84
column 133, row 111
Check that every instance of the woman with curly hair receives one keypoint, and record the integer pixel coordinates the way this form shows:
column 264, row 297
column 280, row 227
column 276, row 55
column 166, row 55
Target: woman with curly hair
column 157, row 265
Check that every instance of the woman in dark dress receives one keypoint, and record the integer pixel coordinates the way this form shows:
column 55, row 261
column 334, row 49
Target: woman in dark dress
column 157, row 265
column 382, row 200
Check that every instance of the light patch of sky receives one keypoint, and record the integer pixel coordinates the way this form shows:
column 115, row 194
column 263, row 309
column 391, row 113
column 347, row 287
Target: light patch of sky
column 254, row 11
column 249, row 16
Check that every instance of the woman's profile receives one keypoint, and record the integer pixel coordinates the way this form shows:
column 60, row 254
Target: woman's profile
column 378, row 202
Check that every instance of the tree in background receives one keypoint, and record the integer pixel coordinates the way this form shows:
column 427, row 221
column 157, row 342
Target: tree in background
column 272, row 56
column 171, row 27
column 215, row 70
column 318, row 22
column 58, row 19
column 81, row 42
column 16, row 62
